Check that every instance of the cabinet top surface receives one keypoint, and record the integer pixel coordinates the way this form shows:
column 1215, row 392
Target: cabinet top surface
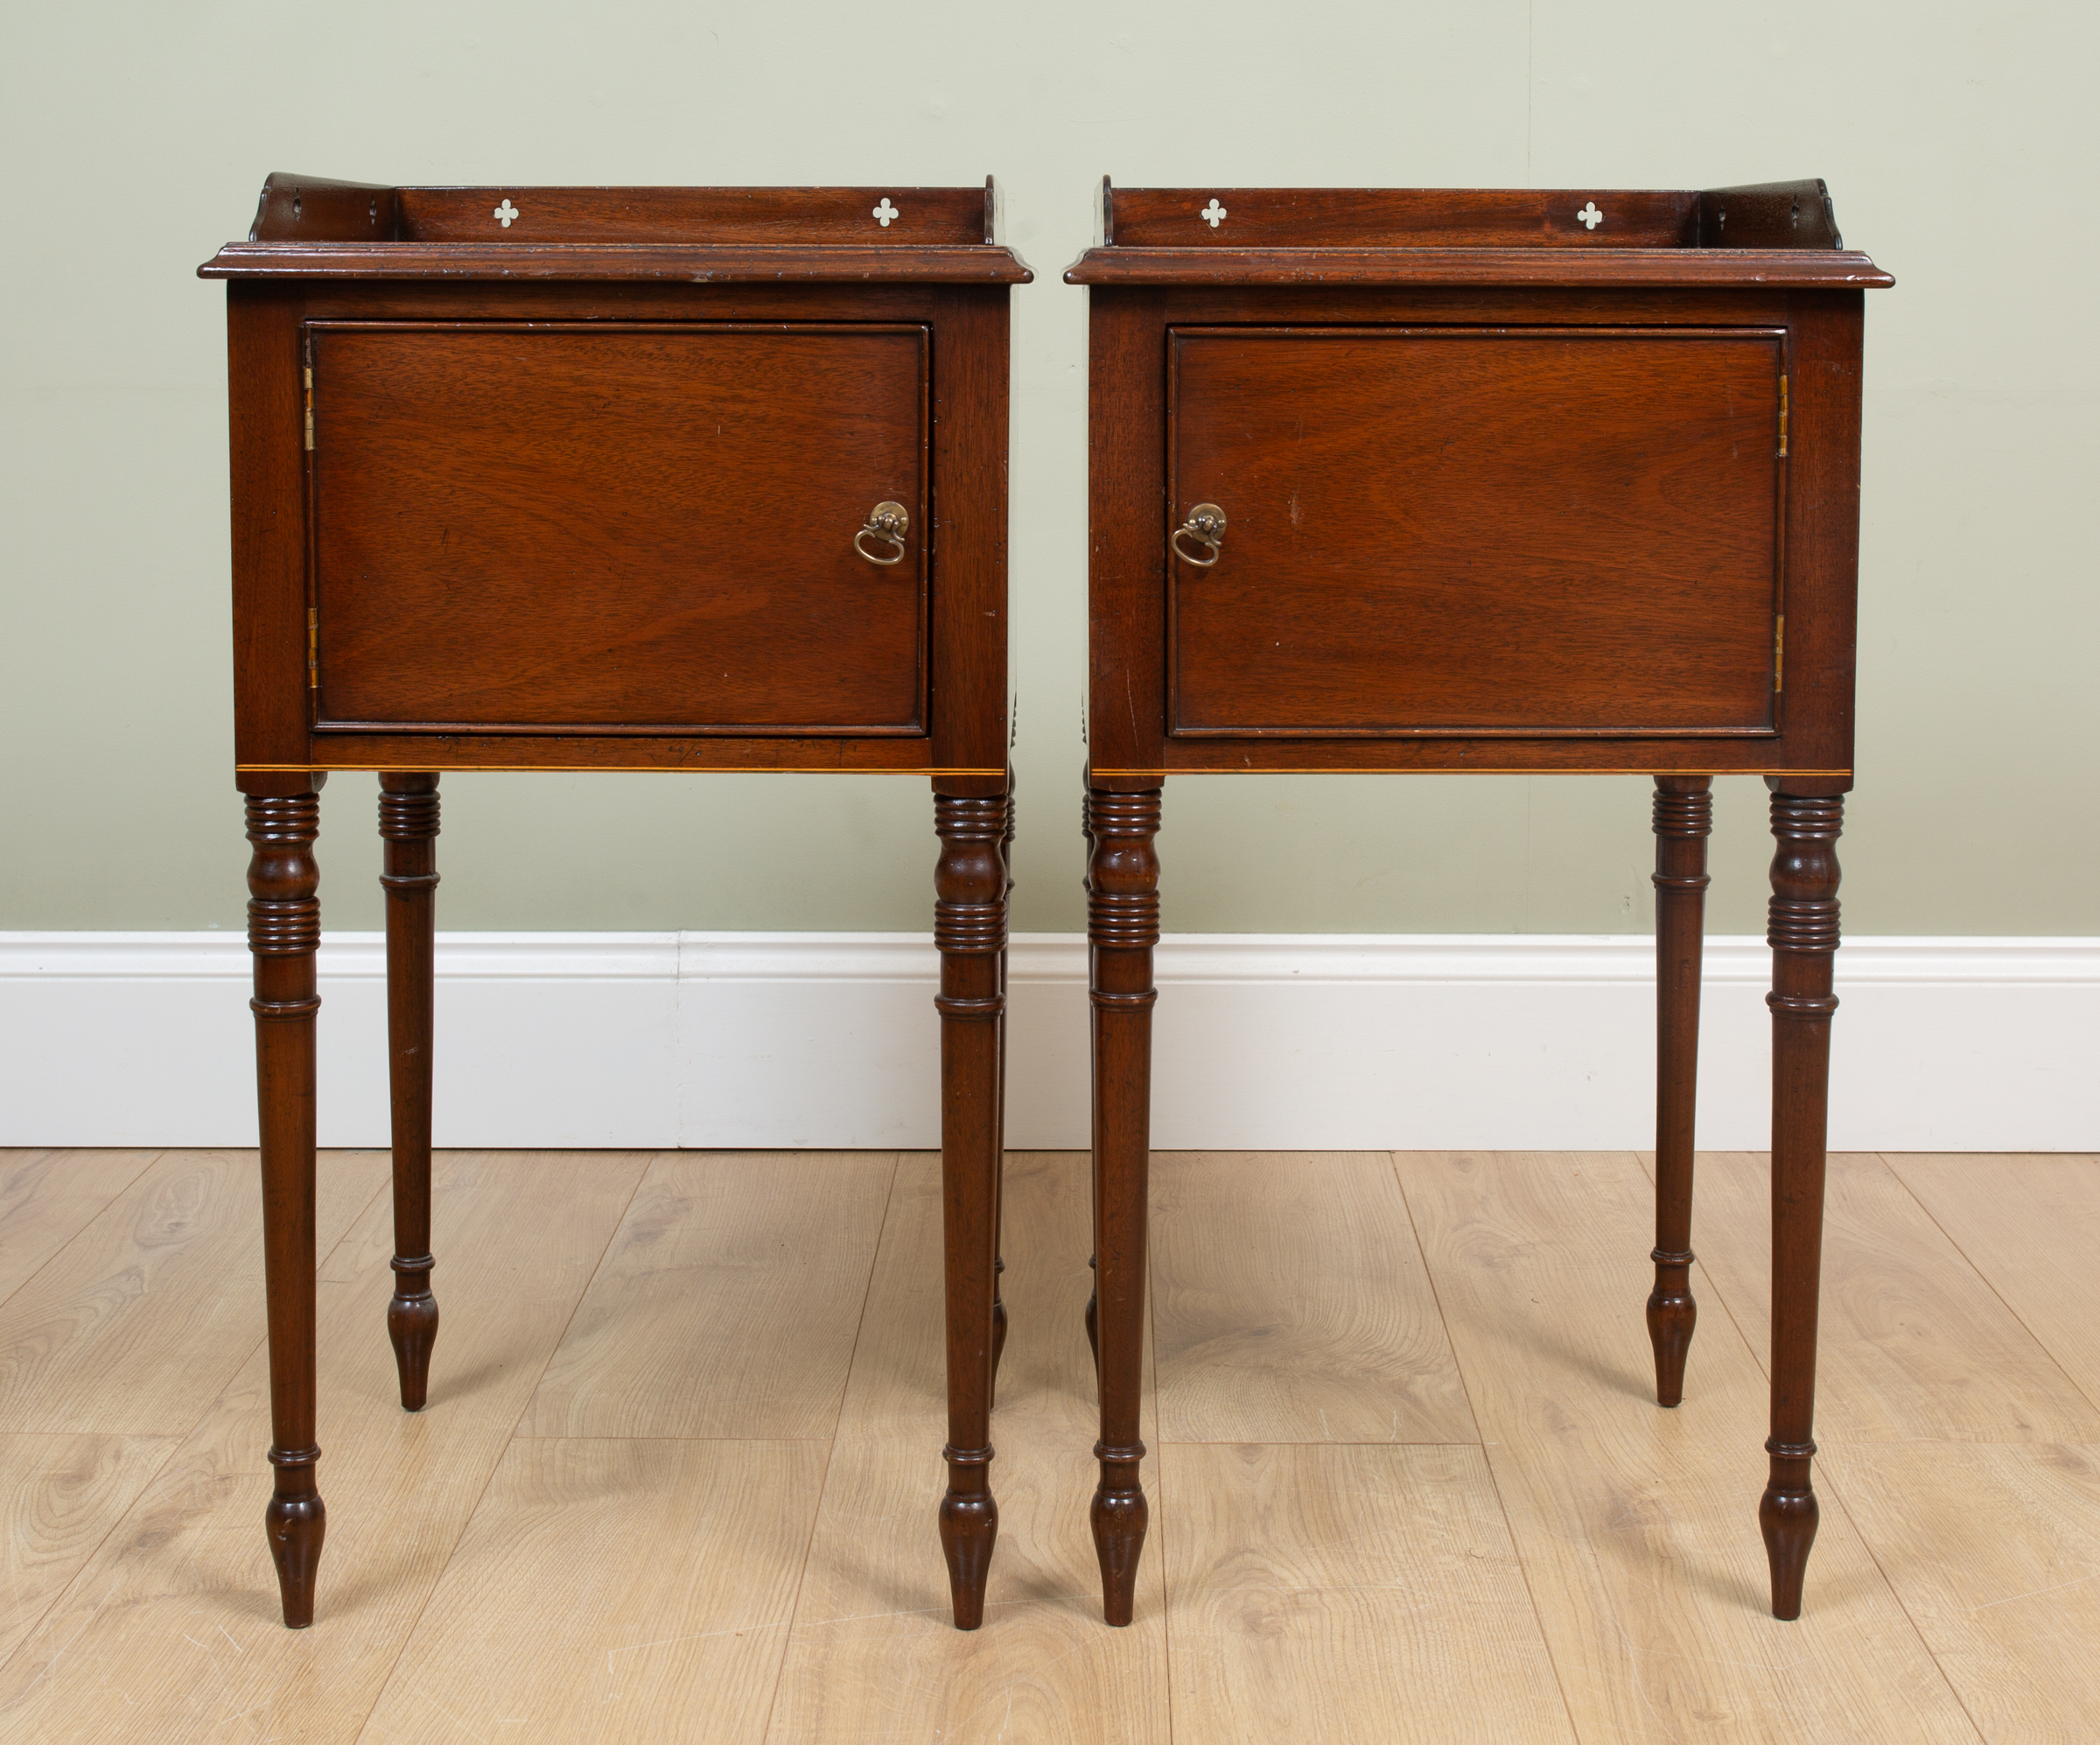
column 1776, row 234
column 309, row 228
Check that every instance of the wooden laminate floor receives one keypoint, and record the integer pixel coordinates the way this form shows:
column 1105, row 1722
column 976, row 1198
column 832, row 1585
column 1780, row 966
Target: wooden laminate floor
column 678, row 1476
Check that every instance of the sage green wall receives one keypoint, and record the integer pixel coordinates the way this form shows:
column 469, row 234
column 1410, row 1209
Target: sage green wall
column 1960, row 143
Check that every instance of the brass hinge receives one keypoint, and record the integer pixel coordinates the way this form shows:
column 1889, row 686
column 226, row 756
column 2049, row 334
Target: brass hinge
column 1782, row 416
column 1782, row 441
column 313, row 647
column 1779, row 654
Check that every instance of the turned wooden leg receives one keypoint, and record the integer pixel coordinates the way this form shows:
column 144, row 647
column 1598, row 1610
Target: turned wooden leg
column 1093, row 1309
column 970, row 929
column 408, row 827
column 1684, row 820
column 999, row 1184
column 1122, row 926
column 284, row 932
column 1804, row 937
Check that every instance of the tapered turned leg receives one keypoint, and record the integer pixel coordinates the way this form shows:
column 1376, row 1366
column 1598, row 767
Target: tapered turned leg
column 970, row 929
column 284, row 931
column 1092, row 1310
column 1684, row 820
column 998, row 1185
column 1122, row 926
column 407, row 826
column 1803, row 936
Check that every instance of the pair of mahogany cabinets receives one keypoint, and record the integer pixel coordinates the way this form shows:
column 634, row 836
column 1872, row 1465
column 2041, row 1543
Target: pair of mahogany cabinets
column 716, row 479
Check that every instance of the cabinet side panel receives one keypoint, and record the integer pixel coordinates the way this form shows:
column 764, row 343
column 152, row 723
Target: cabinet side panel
column 1823, row 529
column 970, row 413
column 266, row 422
column 1126, row 538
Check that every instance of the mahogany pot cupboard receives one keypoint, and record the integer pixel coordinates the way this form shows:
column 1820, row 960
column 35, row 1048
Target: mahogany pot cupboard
column 1447, row 481
column 1491, row 481
column 684, row 479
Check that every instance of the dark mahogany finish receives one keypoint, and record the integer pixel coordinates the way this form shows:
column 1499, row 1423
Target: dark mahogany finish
column 670, row 493
column 1387, row 575
column 998, row 1186
column 1122, row 926
column 969, row 931
column 1683, row 814
column 283, row 933
column 1803, row 932
column 611, row 478
column 1494, row 479
column 408, row 827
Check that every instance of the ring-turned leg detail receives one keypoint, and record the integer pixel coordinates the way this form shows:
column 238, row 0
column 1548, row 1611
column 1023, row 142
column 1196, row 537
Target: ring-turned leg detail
column 998, row 1185
column 284, row 932
column 969, row 929
column 1683, row 819
column 1804, row 937
column 408, row 828
column 1091, row 1316
column 1122, row 926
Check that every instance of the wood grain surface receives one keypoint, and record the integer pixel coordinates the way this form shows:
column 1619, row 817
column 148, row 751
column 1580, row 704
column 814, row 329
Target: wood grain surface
column 873, row 1655
column 172, row 1265
column 669, row 510
column 172, row 1631
column 1298, row 1575
column 1290, row 1304
column 59, row 1497
column 1636, row 1525
column 48, row 1197
column 727, row 1303
column 613, row 1589
column 1608, row 564
column 1917, row 1346
column 1994, row 1549
column 2031, row 1225
column 1586, row 1568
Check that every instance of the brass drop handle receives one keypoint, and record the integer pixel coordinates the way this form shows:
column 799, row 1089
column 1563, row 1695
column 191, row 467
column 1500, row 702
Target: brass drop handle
column 885, row 521
column 1206, row 525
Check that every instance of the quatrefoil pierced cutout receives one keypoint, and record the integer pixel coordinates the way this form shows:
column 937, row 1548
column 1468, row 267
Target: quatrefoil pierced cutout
column 885, row 213
column 506, row 215
column 1589, row 217
column 1213, row 214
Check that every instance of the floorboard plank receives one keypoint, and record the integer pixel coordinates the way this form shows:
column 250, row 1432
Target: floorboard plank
column 134, row 1326
column 49, row 1197
column 172, row 1630
column 1291, row 1304
column 1995, row 1549
column 2031, row 1225
column 873, row 1655
column 612, row 1590
column 728, row 1302
column 645, row 1585
column 1912, row 1343
column 1340, row 1593
column 60, row 1497
column 1637, row 1527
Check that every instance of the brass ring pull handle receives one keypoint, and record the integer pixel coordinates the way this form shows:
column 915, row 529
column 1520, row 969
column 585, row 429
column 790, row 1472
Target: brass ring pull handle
column 885, row 521
column 1206, row 525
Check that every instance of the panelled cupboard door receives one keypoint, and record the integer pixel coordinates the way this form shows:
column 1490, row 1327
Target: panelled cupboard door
column 556, row 526
column 1486, row 530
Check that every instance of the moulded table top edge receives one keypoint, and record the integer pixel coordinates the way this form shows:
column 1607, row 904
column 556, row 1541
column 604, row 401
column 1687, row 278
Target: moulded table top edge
column 698, row 262
column 1790, row 269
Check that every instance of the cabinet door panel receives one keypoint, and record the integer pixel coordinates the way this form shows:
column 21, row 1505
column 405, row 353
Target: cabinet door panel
column 1572, row 531
column 548, row 526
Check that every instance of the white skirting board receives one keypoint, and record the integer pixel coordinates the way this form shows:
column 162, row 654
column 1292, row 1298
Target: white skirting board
column 1262, row 1041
